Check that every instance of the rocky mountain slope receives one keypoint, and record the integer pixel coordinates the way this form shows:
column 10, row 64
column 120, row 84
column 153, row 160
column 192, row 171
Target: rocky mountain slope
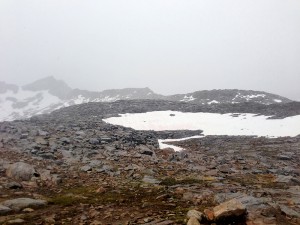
column 231, row 96
column 49, row 94
column 70, row 167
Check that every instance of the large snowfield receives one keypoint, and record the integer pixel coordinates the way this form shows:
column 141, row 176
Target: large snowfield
column 210, row 123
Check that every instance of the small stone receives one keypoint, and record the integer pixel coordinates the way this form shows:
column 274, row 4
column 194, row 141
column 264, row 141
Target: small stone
column 269, row 212
column 50, row 219
column 83, row 218
column 193, row 221
column 166, row 222
column 96, row 222
column 28, row 210
column 209, row 214
column 41, row 141
column 150, row 180
column 147, row 220
column 145, row 150
column 65, row 140
column 94, row 141
column 284, row 157
column 86, row 168
column 194, row 213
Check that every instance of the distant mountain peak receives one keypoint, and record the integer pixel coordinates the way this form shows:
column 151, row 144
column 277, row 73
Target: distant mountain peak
column 45, row 84
column 55, row 87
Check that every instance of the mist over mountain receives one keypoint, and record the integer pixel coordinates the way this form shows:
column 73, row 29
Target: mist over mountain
column 48, row 94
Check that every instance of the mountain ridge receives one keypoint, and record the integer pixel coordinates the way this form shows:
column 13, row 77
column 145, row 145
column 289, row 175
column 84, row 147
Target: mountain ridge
column 48, row 94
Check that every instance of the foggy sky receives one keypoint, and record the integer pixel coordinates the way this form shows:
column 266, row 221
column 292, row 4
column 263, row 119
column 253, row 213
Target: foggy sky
column 170, row 46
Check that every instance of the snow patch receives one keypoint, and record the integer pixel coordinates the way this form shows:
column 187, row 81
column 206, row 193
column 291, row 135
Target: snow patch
column 211, row 123
column 249, row 97
column 213, row 102
column 163, row 145
column 80, row 99
column 188, row 99
column 25, row 103
column 110, row 99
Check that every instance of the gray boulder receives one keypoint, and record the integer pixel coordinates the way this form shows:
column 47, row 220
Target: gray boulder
column 22, row 203
column 21, row 171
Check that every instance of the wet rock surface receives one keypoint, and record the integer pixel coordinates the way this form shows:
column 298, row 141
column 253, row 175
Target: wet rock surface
column 82, row 170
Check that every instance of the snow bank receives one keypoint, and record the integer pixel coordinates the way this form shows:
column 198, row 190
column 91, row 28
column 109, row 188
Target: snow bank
column 210, row 123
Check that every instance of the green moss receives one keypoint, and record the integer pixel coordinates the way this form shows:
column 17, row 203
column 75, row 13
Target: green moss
column 64, row 200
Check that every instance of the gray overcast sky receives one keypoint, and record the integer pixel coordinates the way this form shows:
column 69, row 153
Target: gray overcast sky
column 170, row 46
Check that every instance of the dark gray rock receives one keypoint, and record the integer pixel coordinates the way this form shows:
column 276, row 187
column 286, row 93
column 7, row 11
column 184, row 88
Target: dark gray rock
column 145, row 150
column 284, row 157
column 94, row 141
column 47, row 155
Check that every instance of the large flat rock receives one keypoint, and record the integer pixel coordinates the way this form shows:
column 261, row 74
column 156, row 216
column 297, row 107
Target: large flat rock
column 22, row 203
column 232, row 208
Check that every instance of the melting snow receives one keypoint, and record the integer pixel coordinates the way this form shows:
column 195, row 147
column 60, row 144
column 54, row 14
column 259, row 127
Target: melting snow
column 110, row 99
column 163, row 145
column 277, row 100
column 248, row 97
column 213, row 102
column 80, row 99
column 187, row 98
